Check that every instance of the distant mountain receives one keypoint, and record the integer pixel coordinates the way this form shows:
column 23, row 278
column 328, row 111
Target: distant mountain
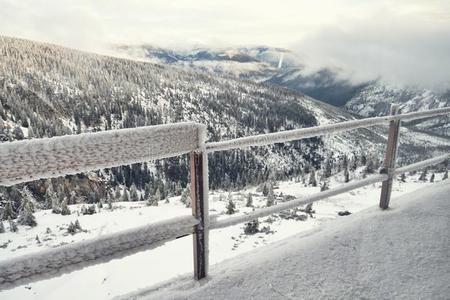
column 282, row 67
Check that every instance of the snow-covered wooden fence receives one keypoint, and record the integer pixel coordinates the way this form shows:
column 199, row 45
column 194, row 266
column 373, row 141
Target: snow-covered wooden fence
column 43, row 158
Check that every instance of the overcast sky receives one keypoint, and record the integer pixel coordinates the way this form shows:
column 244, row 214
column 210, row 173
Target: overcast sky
column 407, row 41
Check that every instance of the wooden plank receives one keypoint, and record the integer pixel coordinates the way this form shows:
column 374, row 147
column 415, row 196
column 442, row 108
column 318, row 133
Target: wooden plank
column 267, row 211
column 48, row 263
column 200, row 212
column 28, row 160
column 390, row 158
column 328, row 129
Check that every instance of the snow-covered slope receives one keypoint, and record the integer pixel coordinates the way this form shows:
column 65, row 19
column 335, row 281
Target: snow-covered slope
column 144, row 269
column 376, row 98
column 396, row 254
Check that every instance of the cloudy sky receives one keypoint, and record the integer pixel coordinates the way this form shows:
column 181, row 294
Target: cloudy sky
column 407, row 41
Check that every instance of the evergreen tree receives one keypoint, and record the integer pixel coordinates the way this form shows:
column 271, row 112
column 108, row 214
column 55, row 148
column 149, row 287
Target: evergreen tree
column 26, row 216
column 346, row 174
column 423, row 175
column 2, row 227
column 231, row 207
column 252, row 227
column 265, row 190
column 117, row 193
column 77, row 224
column 249, row 202
column 403, row 177
column 56, row 209
column 49, row 196
column 445, row 175
column 432, row 178
column 109, row 203
column 147, row 191
column 125, row 197
column 157, row 197
column 312, row 178
column 270, row 197
column 328, row 168
column 133, row 193
column 12, row 226
column 8, row 212
column 185, row 197
column 370, row 167
column 324, row 186
column 65, row 208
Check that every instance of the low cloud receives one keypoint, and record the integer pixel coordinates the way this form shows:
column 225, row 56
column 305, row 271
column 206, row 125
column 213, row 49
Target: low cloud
column 402, row 51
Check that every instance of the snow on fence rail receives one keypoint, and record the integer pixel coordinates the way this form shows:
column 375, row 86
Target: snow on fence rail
column 42, row 158
column 303, row 133
column 28, row 160
column 55, row 261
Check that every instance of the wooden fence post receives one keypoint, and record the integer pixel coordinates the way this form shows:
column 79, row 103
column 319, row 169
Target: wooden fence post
column 199, row 197
column 389, row 158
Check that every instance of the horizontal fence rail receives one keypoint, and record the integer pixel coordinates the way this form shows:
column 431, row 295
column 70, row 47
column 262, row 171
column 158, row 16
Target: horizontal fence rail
column 55, row 261
column 28, row 160
column 24, row 161
column 297, row 134
column 267, row 211
column 422, row 164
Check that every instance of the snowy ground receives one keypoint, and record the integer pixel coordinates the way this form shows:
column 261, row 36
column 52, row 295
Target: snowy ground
column 147, row 268
column 401, row 253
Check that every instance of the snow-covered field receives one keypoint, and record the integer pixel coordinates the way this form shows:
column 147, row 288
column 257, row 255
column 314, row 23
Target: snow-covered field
column 401, row 253
column 147, row 268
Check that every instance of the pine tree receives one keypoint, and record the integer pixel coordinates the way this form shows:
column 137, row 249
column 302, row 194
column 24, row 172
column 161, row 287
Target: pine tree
column 252, row 227
column 8, row 212
column 423, row 175
column 312, row 178
column 65, row 211
column 49, row 196
column 77, row 224
column 185, row 197
column 2, row 227
column 26, row 216
column 56, row 209
column 157, row 197
column 328, row 168
column 445, row 175
column 324, row 186
column 249, row 202
column 117, row 193
column 231, row 207
column 125, row 197
column 432, row 178
column 133, row 193
column 403, row 177
column 370, row 167
column 147, row 191
column 265, row 190
column 12, row 226
column 270, row 197
column 346, row 174
column 109, row 203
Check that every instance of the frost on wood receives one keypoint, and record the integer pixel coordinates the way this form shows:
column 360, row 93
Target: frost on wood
column 51, row 157
column 66, row 258
column 422, row 164
column 263, row 212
